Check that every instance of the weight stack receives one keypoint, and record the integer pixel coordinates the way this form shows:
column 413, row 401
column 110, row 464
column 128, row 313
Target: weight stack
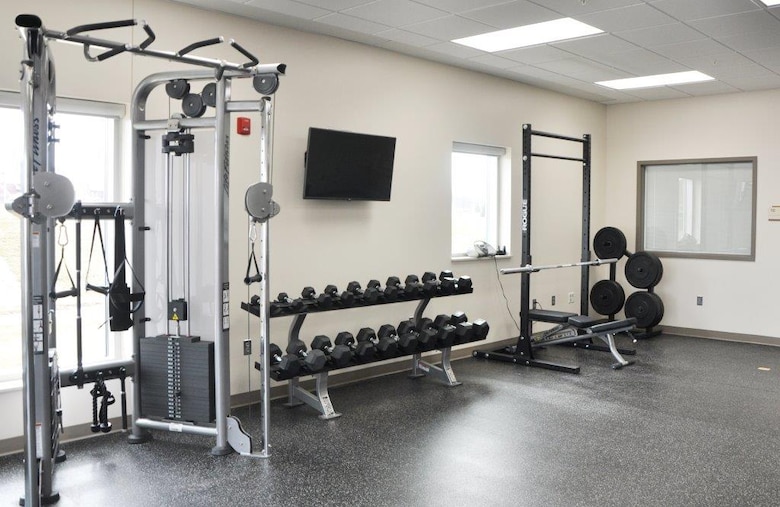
column 177, row 378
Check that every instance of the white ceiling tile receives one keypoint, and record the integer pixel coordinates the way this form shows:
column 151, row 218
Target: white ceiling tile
column 735, row 24
column 753, row 82
column 583, row 69
column 335, row 5
column 660, row 35
column 627, row 18
column 641, row 62
column 395, row 12
column 512, row 14
column 535, row 54
column 494, row 61
column 687, row 10
column 448, row 28
column 289, row 8
column 748, row 41
column 716, row 64
column 680, row 50
column 452, row 49
column 458, row 6
column 706, row 88
column 404, row 37
column 352, row 23
column 769, row 57
column 576, row 8
column 596, row 45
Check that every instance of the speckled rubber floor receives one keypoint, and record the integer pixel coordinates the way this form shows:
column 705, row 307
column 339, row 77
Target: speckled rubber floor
column 693, row 422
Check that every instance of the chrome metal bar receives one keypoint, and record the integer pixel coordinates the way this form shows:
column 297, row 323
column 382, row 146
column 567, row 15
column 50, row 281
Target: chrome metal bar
column 533, row 269
column 175, row 427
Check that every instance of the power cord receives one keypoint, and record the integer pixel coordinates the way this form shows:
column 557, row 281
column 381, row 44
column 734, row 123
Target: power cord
column 503, row 293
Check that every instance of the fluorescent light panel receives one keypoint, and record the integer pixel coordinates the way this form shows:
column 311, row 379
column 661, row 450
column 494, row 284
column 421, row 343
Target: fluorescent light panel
column 529, row 35
column 675, row 78
column 770, row 3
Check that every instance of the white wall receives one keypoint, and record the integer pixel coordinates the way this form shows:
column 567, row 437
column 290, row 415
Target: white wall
column 737, row 295
column 342, row 85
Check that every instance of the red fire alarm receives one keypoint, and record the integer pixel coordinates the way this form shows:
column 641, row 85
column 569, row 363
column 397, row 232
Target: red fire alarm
column 243, row 125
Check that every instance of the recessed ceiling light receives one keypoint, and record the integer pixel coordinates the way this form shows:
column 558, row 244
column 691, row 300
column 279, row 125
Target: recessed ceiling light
column 675, row 78
column 529, row 35
column 770, row 3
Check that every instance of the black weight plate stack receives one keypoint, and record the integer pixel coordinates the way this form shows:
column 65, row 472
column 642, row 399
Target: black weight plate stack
column 646, row 307
column 609, row 243
column 177, row 88
column 644, row 270
column 607, row 297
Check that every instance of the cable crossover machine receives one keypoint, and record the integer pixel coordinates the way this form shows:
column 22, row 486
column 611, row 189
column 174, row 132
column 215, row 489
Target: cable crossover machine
column 162, row 366
column 570, row 328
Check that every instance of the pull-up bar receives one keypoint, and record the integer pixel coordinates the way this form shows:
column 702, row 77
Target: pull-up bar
column 533, row 269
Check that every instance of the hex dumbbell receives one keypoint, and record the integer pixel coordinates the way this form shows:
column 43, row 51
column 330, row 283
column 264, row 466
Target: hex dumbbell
column 406, row 343
column 363, row 352
column 288, row 366
column 338, row 356
column 321, row 300
column 367, row 296
column 313, row 360
column 392, row 288
column 412, row 286
column 346, row 298
column 425, row 335
column 295, row 305
column 385, row 345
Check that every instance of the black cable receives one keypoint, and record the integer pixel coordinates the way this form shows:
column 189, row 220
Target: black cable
column 503, row 293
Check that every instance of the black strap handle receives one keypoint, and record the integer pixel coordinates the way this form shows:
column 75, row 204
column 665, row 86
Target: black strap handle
column 257, row 277
column 101, row 26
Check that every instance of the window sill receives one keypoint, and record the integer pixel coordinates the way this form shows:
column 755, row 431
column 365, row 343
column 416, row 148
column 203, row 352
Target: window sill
column 490, row 258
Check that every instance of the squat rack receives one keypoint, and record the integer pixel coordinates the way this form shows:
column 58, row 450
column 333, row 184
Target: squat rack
column 48, row 196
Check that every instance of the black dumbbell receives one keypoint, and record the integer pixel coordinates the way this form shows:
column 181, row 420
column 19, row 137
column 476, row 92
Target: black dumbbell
column 346, row 298
column 392, row 288
column 405, row 342
column 322, row 300
column 313, row 360
column 385, row 345
column 339, row 356
column 367, row 296
column 363, row 352
column 295, row 305
column 412, row 286
column 447, row 283
column 480, row 329
column 426, row 334
column 464, row 284
column 288, row 366
column 430, row 285
column 463, row 328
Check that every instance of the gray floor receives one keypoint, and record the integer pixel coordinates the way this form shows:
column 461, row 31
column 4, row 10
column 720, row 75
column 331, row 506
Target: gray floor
column 694, row 422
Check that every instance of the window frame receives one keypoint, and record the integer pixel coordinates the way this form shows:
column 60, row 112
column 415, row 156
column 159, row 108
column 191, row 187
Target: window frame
column 640, row 216
column 117, row 184
column 502, row 193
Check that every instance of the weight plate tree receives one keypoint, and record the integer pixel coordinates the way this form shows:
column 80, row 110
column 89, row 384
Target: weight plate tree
column 646, row 307
column 609, row 243
column 607, row 297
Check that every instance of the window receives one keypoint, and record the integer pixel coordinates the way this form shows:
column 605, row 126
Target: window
column 698, row 208
column 480, row 187
column 87, row 153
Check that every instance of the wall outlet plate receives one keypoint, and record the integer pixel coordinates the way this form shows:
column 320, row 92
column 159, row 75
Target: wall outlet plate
column 247, row 347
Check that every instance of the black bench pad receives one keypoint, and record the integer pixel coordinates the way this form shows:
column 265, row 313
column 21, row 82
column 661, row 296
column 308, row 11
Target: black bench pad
column 583, row 321
column 613, row 326
column 550, row 316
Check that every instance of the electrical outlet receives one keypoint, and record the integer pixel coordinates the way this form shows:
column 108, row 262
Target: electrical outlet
column 571, row 297
column 534, row 303
column 247, row 347
column 699, row 300
column 553, row 301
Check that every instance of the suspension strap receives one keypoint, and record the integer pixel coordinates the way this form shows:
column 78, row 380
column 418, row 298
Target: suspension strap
column 97, row 231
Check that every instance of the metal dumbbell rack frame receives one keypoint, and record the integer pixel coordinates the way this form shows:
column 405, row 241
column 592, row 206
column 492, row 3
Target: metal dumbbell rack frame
column 48, row 196
column 319, row 400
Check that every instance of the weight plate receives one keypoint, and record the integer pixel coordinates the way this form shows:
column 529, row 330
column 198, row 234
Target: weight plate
column 177, row 88
column 609, row 243
column 209, row 94
column 646, row 307
column 607, row 297
column 266, row 84
column 644, row 270
column 192, row 105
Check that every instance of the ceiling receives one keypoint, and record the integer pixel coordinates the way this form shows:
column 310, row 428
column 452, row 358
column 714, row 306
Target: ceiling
column 735, row 41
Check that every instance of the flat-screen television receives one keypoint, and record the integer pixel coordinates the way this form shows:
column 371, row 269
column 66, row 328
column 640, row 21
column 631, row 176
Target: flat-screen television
column 348, row 166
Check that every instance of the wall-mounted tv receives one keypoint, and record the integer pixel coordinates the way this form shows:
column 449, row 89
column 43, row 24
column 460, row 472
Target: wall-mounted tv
column 348, row 166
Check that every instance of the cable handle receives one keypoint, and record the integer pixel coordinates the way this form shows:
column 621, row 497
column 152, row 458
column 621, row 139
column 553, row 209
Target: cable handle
column 101, row 26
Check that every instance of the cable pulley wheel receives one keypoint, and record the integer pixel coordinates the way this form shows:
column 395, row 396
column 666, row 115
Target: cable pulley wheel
column 646, row 307
column 177, row 88
column 607, row 297
column 266, row 84
column 644, row 270
column 609, row 243
column 192, row 105
column 209, row 94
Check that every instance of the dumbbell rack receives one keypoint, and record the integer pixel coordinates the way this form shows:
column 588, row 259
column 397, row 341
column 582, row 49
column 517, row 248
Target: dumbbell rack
column 319, row 399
